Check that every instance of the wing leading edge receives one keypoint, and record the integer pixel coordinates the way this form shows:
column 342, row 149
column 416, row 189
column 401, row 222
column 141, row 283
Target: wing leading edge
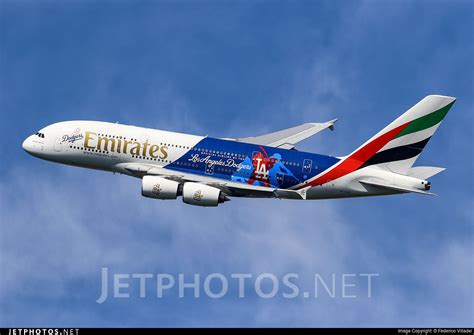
column 287, row 138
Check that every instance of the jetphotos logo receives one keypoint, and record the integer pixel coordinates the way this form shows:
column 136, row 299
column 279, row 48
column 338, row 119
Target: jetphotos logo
column 241, row 285
column 75, row 136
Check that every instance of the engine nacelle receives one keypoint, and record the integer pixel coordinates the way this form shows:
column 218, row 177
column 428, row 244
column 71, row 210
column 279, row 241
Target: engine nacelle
column 160, row 188
column 202, row 195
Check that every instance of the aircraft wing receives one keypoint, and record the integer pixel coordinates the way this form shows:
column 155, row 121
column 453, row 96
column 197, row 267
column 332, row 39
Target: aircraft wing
column 386, row 185
column 228, row 187
column 287, row 138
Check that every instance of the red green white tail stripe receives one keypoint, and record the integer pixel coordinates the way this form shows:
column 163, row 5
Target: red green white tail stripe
column 398, row 145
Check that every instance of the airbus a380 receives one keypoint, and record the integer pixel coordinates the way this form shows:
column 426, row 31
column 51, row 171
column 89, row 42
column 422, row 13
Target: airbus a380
column 206, row 171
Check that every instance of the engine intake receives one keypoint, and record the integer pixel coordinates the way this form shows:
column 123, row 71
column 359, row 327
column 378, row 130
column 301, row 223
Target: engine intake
column 160, row 188
column 202, row 195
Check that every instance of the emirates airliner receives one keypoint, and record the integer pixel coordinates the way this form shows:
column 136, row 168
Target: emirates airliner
column 207, row 171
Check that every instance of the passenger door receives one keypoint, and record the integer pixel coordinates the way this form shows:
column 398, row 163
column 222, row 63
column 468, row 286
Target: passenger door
column 58, row 146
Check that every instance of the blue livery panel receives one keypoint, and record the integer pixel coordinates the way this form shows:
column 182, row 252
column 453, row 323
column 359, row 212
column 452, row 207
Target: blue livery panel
column 252, row 164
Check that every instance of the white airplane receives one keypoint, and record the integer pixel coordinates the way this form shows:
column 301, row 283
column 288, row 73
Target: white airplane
column 206, row 171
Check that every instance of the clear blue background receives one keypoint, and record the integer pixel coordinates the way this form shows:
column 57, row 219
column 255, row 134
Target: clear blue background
column 233, row 68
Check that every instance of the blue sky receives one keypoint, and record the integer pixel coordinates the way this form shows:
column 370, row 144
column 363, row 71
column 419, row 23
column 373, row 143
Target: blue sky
column 233, row 68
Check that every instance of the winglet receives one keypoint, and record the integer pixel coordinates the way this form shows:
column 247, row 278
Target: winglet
column 331, row 124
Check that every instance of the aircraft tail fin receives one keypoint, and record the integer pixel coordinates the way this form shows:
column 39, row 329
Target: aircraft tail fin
column 397, row 146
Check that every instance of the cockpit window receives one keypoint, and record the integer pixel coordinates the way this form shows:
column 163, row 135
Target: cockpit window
column 41, row 135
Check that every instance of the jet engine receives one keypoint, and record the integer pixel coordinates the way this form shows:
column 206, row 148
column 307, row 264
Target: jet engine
column 202, row 195
column 160, row 188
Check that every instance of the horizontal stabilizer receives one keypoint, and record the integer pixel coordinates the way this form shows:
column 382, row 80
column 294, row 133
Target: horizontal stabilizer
column 394, row 187
column 424, row 172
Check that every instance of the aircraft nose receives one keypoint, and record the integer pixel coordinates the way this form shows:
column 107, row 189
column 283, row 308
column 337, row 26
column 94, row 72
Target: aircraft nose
column 28, row 145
